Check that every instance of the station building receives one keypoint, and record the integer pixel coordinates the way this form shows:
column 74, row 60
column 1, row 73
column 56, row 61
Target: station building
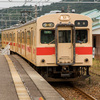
column 95, row 16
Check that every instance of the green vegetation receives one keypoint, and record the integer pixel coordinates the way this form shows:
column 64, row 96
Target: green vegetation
column 96, row 63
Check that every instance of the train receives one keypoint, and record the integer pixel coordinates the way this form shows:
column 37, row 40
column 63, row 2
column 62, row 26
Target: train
column 58, row 45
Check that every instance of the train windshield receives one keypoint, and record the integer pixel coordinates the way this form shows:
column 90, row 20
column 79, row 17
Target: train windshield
column 47, row 36
column 81, row 36
column 64, row 36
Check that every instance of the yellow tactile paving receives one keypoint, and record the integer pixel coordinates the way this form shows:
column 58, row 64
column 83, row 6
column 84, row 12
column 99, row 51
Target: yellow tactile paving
column 41, row 98
column 20, row 88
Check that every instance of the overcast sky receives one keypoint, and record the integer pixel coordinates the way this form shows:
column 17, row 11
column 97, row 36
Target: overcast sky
column 11, row 3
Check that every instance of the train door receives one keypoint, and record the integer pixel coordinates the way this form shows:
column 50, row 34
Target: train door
column 65, row 45
column 33, row 45
column 17, row 41
column 21, row 43
column 12, row 41
column 32, row 34
column 25, row 41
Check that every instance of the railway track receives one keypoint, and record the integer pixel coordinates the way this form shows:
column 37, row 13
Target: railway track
column 95, row 73
column 87, row 96
column 64, row 92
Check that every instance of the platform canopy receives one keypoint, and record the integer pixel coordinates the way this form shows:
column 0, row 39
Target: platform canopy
column 95, row 16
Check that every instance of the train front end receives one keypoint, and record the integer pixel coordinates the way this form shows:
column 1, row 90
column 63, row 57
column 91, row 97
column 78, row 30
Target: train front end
column 64, row 49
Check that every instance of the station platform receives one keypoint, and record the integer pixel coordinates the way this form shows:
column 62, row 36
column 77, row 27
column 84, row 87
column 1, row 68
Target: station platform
column 19, row 81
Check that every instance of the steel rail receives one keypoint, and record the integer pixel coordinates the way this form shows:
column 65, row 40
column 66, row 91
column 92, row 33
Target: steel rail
column 88, row 96
column 95, row 73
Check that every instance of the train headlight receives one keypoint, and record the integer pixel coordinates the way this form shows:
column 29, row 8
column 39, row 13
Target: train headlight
column 81, row 23
column 42, row 60
column 86, row 60
column 48, row 24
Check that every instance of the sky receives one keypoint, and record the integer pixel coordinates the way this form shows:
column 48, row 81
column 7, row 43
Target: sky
column 11, row 3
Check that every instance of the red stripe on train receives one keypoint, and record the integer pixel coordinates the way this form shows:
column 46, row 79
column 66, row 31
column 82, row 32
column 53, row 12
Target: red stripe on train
column 10, row 43
column 23, row 47
column 83, row 50
column 51, row 50
column 28, row 49
column 13, row 44
column 6, row 42
column 45, row 51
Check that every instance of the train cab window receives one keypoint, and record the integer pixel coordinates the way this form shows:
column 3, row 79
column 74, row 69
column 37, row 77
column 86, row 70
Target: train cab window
column 81, row 36
column 65, row 36
column 47, row 36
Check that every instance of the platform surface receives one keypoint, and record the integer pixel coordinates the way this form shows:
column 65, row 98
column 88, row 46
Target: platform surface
column 37, row 87
column 7, row 88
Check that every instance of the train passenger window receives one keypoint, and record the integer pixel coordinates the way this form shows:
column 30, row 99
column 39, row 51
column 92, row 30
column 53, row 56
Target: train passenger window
column 14, row 37
column 10, row 37
column 28, row 38
column 18, row 37
column 65, row 36
column 32, row 37
column 81, row 36
column 47, row 36
column 23, row 37
column 4, row 36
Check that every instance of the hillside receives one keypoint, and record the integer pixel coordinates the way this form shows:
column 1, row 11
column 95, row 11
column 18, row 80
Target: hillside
column 79, row 8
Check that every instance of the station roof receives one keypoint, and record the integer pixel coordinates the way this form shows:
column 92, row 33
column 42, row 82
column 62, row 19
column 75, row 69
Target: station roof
column 95, row 16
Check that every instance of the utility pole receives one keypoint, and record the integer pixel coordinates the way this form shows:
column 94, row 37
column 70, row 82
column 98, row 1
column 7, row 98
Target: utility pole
column 36, row 11
column 68, row 9
column 24, row 15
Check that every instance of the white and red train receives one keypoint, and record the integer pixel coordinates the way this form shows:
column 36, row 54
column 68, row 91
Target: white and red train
column 58, row 45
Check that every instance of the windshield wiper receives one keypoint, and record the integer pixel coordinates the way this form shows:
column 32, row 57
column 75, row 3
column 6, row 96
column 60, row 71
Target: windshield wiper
column 51, row 41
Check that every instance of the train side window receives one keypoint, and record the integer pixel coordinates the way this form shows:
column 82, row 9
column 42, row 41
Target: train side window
column 10, row 37
column 4, row 37
column 22, row 37
column 81, row 36
column 14, row 37
column 65, row 36
column 18, row 37
column 32, row 37
column 28, row 37
column 47, row 36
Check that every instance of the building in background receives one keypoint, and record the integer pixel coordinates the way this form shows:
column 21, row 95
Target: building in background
column 95, row 16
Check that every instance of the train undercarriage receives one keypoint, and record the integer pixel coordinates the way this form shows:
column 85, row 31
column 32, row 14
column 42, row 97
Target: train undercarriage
column 64, row 73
